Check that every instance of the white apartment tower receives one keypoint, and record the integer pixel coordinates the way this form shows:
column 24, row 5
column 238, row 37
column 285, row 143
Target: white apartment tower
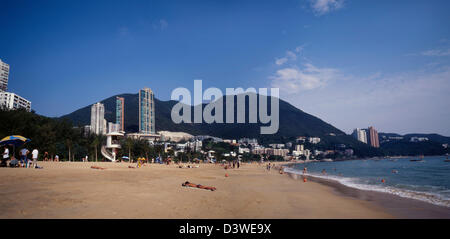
column 4, row 75
column 360, row 135
column 98, row 125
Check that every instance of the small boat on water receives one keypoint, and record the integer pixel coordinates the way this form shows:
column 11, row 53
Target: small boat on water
column 418, row 160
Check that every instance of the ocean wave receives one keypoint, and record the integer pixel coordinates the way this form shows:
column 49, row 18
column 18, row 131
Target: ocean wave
column 433, row 198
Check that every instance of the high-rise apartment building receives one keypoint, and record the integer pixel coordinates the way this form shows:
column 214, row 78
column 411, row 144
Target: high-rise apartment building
column 98, row 124
column 4, row 75
column 146, row 111
column 373, row 137
column 13, row 101
column 120, row 112
column 360, row 135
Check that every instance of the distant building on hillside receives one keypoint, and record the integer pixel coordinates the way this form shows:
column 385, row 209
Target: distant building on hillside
column 418, row 139
column 174, row 136
column 314, row 140
column 98, row 119
column 146, row 111
column 13, row 101
column 373, row 139
column 245, row 141
column 4, row 76
column 301, row 139
column 277, row 146
column 360, row 135
column 120, row 113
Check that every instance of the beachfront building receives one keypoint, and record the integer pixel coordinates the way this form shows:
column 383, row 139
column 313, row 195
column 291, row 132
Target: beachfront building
column 4, row 75
column 98, row 123
column 13, row 101
column 120, row 112
column 360, row 135
column 299, row 147
column 244, row 150
column 195, row 146
column 146, row 111
column 373, row 139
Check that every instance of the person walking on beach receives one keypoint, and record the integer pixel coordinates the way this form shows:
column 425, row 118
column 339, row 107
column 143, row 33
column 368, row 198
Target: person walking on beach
column 46, row 156
column 56, row 158
column 24, row 157
column 87, row 158
column 35, row 157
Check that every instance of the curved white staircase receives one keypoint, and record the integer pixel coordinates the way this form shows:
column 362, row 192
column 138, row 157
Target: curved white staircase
column 107, row 154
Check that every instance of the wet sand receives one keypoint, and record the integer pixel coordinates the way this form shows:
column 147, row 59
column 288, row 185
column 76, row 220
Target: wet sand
column 74, row 190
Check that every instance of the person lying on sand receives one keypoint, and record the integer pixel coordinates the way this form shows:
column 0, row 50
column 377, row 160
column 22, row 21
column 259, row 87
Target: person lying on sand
column 96, row 167
column 188, row 184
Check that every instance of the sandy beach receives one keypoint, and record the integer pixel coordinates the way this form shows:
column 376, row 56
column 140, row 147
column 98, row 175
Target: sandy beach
column 75, row 190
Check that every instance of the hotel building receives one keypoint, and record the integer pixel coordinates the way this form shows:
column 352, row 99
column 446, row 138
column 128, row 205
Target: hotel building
column 120, row 112
column 146, row 111
column 98, row 123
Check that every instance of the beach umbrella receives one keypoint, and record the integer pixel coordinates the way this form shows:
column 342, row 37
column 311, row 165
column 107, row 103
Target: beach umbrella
column 14, row 140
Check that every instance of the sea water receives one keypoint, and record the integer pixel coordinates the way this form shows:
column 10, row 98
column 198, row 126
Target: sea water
column 428, row 180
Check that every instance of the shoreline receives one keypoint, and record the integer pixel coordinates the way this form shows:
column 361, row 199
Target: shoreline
column 400, row 207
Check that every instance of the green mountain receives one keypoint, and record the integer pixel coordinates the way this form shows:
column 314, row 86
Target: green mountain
column 293, row 123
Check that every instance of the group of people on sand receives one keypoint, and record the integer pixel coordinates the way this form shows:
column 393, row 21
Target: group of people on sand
column 234, row 164
column 26, row 159
column 48, row 158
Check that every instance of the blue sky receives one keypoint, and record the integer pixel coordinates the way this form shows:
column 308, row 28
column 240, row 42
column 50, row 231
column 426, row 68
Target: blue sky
column 351, row 63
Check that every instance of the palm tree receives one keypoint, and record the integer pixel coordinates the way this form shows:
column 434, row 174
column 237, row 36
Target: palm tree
column 129, row 143
column 95, row 144
column 69, row 145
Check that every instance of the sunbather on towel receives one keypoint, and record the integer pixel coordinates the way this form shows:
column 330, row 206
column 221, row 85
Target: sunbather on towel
column 188, row 184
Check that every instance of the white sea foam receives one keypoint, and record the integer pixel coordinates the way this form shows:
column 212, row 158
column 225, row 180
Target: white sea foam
column 428, row 197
